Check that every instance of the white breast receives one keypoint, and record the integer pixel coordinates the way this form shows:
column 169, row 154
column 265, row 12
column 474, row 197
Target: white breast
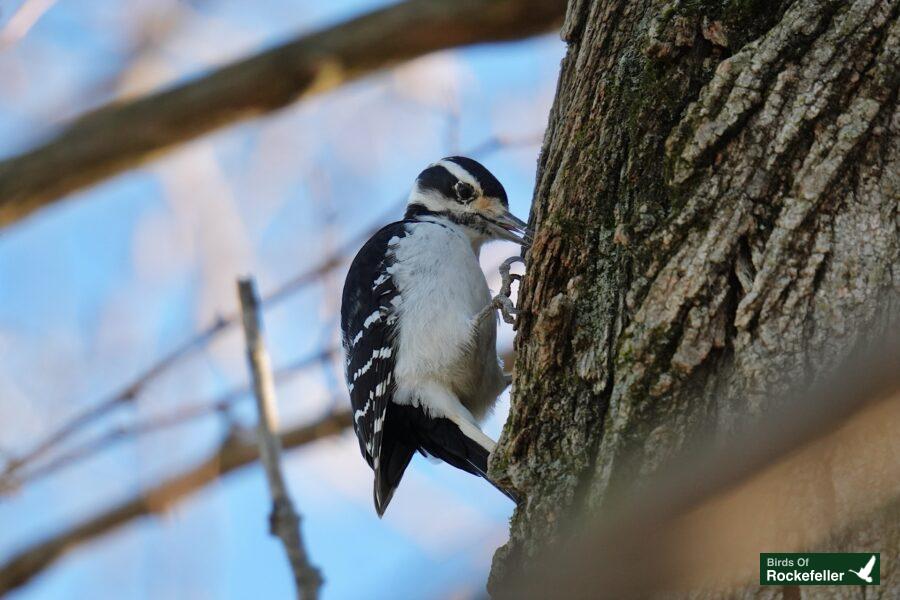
column 442, row 288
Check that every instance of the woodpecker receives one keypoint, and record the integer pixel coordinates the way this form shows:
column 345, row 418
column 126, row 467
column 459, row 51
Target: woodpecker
column 421, row 358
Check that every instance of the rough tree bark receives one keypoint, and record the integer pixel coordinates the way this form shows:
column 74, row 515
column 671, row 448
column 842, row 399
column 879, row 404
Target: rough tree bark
column 715, row 215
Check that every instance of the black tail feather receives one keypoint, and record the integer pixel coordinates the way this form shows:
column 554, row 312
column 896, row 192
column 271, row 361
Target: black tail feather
column 443, row 439
column 481, row 470
column 394, row 459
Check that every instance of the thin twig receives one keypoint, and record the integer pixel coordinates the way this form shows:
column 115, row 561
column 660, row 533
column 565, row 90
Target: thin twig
column 232, row 453
column 284, row 522
column 121, row 397
column 180, row 416
column 128, row 393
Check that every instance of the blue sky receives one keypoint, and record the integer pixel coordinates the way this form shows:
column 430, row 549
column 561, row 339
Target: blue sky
column 95, row 288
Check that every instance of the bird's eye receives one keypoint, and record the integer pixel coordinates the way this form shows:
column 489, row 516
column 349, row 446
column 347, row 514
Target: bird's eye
column 464, row 192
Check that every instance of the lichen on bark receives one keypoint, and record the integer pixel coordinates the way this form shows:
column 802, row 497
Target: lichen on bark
column 715, row 215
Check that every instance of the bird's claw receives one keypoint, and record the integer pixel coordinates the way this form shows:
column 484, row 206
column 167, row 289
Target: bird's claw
column 505, row 305
column 503, row 301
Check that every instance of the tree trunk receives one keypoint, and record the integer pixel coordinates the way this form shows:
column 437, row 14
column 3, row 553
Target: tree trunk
column 715, row 215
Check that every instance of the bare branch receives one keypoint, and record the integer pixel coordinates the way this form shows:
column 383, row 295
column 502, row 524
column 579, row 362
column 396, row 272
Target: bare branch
column 284, row 522
column 123, row 135
column 232, row 454
column 103, row 407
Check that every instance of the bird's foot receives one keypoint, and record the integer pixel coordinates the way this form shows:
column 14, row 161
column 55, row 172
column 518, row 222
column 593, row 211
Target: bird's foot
column 503, row 301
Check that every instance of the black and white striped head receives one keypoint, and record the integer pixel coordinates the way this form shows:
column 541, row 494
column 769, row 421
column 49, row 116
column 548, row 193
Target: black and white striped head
column 464, row 191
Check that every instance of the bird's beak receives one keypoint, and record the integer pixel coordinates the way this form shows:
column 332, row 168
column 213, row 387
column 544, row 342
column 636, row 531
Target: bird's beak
column 510, row 227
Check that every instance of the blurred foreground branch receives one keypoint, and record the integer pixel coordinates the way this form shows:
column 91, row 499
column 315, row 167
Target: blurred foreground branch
column 122, row 135
column 829, row 458
column 22, row 20
column 232, row 454
column 284, row 521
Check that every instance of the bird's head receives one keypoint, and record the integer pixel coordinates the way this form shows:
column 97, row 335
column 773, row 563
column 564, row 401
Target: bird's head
column 464, row 191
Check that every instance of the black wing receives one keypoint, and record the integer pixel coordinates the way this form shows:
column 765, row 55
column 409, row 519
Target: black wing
column 368, row 322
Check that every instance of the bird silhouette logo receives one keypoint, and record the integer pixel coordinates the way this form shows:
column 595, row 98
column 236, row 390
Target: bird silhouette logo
column 866, row 572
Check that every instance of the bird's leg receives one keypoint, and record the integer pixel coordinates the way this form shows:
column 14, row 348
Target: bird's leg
column 502, row 301
column 507, row 309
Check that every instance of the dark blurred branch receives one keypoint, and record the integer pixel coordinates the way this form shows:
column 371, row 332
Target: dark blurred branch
column 10, row 476
column 232, row 454
column 123, row 135
column 284, row 521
